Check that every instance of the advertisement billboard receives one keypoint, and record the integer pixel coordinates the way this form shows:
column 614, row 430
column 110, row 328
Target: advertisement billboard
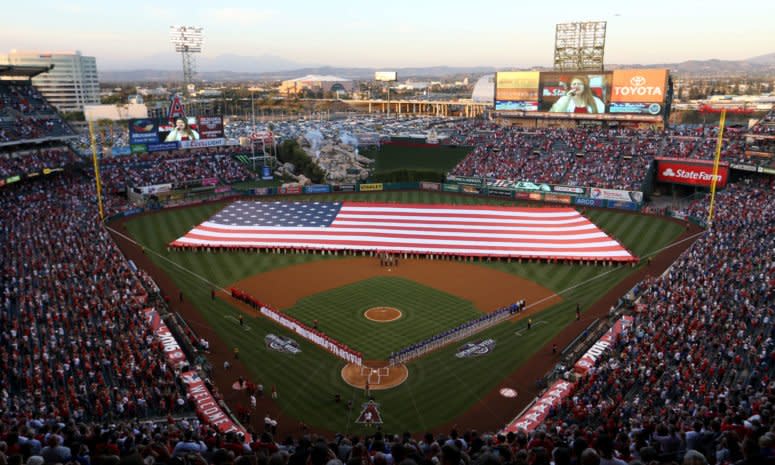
column 691, row 172
column 517, row 90
column 210, row 127
column 632, row 94
column 640, row 91
column 387, row 76
column 575, row 92
column 143, row 131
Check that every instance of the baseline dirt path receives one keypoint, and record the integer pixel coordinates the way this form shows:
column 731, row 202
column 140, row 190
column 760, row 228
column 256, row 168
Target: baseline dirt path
column 486, row 288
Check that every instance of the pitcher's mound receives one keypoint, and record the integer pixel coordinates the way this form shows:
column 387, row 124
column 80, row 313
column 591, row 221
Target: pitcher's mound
column 382, row 314
column 377, row 373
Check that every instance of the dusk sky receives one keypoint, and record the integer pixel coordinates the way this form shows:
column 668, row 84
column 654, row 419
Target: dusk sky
column 394, row 34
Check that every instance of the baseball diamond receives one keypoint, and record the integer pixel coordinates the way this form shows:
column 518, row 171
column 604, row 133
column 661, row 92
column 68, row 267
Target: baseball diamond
column 335, row 291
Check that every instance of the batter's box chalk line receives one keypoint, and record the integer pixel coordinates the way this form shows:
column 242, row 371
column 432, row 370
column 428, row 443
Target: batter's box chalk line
column 374, row 376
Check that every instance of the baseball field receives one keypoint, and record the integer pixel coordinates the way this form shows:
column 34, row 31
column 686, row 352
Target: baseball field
column 377, row 310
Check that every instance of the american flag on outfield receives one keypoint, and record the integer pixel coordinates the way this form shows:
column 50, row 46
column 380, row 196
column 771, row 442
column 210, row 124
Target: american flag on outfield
column 561, row 233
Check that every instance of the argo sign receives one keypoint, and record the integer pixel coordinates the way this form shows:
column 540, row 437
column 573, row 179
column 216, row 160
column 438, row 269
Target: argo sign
column 691, row 172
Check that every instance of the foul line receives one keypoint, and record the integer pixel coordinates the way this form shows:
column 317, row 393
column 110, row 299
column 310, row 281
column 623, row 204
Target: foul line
column 132, row 241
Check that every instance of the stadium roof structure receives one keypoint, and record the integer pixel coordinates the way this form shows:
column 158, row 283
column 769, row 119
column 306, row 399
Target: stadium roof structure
column 321, row 78
column 23, row 71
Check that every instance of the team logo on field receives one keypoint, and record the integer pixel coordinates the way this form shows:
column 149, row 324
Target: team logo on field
column 369, row 414
column 282, row 344
column 476, row 349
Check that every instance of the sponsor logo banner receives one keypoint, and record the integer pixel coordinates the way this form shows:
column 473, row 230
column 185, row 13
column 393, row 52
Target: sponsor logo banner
column 622, row 205
column 537, row 196
column 210, row 127
column 616, row 194
column 587, row 202
column 477, row 181
column 592, row 355
column 536, row 414
column 195, row 144
column 638, row 108
column 517, row 87
column 266, row 173
column 476, row 349
column 430, row 186
column 138, row 148
column 743, row 167
column 516, row 105
column 521, row 196
column 155, row 189
column 695, row 173
column 469, row 189
column 639, row 85
column 208, row 407
column 765, row 170
column 344, row 188
column 317, row 189
column 292, row 189
column 570, row 190
column 500, row 192
column 143, row 131
column 163, row 147
column 450, row 187
column 209, row 181
column 564, row 199
column 371, row 187
column 281, row 344
column 262, row 191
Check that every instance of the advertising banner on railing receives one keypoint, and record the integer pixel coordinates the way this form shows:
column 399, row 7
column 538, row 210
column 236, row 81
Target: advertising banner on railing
column 474, row 180
column 195, row 144
column 207, row 407
column 450, row 187
column 605, row 342
column 317, row 189
column 172, row 351
column 536, row 414
column 316, row 337
column 616, row 194
column 292, row 189
column 262, row 191
column 155, row 189
column 587, row 202
column 743, row 167
column 430, row 186
column 691, row 172
column 500, row 192
column 619, row 205
column 162, row 147
column 556, row 198
column 372, row 187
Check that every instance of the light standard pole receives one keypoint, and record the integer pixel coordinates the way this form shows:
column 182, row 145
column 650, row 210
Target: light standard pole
column 253, row 142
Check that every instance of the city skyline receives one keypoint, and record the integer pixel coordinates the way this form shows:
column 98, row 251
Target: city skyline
column 401, row 34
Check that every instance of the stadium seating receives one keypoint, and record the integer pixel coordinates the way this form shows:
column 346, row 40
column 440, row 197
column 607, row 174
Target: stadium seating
column 25, row 114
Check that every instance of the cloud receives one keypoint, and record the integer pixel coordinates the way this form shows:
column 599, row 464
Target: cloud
column 239, row 15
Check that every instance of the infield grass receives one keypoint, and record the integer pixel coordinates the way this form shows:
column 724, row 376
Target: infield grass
column 440, row 386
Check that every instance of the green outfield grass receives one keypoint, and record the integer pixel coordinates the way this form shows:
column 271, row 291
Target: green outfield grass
column 392, row 158
column 440, row 386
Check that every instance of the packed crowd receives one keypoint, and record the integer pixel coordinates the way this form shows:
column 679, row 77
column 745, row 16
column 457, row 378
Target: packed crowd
column 766, row 125
column 607, row 158
column 175, row 167
column 696, row 372
column 34, row 161
column 25, row 114
column 73, row 340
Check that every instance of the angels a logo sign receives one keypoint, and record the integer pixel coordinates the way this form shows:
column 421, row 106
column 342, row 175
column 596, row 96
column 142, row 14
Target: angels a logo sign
column 281, row 344
column 176, row 109
column 369, row 414
column 476, row 349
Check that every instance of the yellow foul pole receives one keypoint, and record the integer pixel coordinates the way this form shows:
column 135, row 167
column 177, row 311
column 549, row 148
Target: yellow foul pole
column 96, row 169
column 715, row 165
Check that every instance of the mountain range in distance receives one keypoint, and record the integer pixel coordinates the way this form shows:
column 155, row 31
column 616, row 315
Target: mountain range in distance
column 166, row 67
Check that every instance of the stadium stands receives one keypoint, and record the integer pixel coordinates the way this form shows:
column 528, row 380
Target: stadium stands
column 25, row 114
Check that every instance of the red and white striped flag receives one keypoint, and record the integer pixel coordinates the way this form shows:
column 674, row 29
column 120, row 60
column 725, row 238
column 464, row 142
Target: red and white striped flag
column 547, row 233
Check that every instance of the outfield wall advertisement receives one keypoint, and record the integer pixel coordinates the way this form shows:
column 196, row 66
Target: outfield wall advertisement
column 691, row 172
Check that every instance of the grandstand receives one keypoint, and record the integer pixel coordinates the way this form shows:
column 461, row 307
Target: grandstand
column 96, row 367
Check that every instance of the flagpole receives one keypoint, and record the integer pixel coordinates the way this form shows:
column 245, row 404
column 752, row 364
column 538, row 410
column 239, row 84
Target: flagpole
column 96, row 169
column 716, row 160
column 252, row 141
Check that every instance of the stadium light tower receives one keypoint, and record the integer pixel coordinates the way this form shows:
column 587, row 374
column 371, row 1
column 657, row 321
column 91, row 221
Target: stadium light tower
column 187, row 41
column 579, row 46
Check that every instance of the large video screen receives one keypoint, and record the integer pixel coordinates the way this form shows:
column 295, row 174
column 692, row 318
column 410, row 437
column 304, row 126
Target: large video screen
column 619, row 92
column 517, row 90
column 210, row 127
column 575, row 92
column 179, row 129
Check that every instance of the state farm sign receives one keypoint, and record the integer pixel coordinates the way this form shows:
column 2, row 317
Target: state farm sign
column 693, row 174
